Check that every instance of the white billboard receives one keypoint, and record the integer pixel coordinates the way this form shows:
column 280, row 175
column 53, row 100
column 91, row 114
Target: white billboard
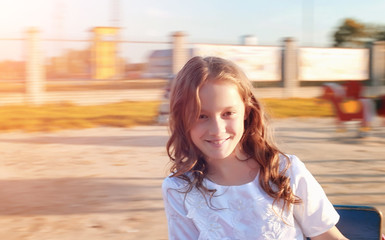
column 325, row 64
column 260, row 63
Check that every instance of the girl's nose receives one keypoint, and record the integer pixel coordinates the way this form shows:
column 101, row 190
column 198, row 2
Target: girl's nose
column 217, row 126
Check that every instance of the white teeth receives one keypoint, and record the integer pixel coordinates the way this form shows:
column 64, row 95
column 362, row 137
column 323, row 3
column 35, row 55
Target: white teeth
column 218, row 141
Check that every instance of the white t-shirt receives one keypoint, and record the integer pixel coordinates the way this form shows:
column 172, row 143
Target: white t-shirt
column 246, row 211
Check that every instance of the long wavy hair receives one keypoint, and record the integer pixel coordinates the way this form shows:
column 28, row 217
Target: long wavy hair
column 188, row 162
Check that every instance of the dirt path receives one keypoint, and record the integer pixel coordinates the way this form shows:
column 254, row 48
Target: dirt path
column 104, row 183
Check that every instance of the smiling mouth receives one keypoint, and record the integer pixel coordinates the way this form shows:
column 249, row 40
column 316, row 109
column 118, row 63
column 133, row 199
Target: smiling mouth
column 218, row 142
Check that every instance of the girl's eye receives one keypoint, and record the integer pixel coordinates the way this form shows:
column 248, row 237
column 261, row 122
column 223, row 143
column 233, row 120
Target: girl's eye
column 227, row 114
column 202, row 116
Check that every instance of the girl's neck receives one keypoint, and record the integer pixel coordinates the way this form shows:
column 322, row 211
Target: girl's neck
column 232, row 172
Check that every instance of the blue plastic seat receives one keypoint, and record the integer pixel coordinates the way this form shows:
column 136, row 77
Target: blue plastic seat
column 359, row 222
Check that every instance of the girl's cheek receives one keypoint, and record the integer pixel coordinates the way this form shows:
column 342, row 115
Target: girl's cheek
column 198, row 128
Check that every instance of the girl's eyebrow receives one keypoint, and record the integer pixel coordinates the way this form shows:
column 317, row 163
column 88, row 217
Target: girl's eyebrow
column 225, row 108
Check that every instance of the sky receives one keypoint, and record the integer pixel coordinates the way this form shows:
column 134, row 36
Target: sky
column 310, row 22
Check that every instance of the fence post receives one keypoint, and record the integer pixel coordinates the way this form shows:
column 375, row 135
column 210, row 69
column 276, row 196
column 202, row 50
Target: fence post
column 35, row 74
column 179, row 52
column 377, row 67
column 289, row 67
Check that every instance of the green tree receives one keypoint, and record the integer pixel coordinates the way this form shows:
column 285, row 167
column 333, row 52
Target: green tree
column 352, row 33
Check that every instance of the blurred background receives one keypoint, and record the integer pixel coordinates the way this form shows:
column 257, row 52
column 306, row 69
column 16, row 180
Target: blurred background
column 100, row 70
column 66, row 44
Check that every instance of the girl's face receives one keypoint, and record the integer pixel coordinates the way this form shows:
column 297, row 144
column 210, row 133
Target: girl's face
column 220, row 125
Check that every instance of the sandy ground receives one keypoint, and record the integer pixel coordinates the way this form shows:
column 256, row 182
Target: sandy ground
column 104, row 183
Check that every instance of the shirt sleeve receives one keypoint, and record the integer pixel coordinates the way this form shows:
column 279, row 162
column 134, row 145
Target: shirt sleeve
column 179, row 225
column 315, row 214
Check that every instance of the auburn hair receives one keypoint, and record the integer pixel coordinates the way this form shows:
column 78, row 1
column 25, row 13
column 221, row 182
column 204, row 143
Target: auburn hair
column 188, row 162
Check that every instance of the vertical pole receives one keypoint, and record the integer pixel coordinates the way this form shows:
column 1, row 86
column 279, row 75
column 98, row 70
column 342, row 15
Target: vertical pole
column 35, row 74
column 179, row 52
column 307, row 22
column 120, row 72
column 93, row 50
column 290, row 67
column 115, row 17
column 377, row 67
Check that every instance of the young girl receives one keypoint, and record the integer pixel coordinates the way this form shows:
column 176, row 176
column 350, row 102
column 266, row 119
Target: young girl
column 228, row 180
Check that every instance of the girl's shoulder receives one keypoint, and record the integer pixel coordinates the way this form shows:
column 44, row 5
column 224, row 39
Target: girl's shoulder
column 297, row 170
column 293, row 159
column 294, row 163
column 177, row 183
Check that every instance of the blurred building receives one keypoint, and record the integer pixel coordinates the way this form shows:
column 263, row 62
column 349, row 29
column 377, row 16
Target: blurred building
column 72, row 64
column 12, row 70
column 160, row 63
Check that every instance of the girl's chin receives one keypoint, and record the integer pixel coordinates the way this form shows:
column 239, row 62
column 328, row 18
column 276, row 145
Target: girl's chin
column 217, row 157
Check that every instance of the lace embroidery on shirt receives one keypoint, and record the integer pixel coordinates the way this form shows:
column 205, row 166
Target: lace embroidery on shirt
column 244, row 215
